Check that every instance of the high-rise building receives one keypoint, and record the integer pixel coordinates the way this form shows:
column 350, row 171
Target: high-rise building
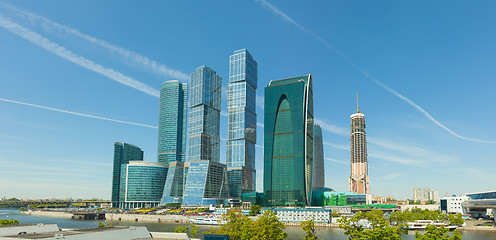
column 288, row 141
column 359, row 179
column 318, row 180
column 242, row 123
column 426, row 193
column 206, row 183
column 172, row 122
column 123, row 153
column 142, row 184
column 417, row 194
column 204, row 115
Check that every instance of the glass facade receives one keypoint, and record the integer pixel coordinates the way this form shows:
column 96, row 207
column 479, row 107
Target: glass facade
column 288, row 142
column 206, row 183
column 174, row 183
column 242, row 123
column 172, row 122
column 123, row 153
column 318, row 180
column 204, row 115
column 332, row 198
column 142, row 182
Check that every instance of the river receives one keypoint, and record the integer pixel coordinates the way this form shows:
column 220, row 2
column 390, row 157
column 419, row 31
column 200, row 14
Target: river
column 294, row 232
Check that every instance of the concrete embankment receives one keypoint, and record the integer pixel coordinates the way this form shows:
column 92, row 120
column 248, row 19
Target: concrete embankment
column 331, row 225
column 48, row 214
column 146, row 218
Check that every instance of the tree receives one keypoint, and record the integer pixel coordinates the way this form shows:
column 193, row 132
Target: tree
column 185, row 229
column 101, row 224
column 255, row 210
column 456, row 220
column 9, row 222
column 434, row 233
column 309, row 228
column 240, row 227
column 356, row 227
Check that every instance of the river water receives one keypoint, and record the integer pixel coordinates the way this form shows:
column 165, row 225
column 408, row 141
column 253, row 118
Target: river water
column 294, row 232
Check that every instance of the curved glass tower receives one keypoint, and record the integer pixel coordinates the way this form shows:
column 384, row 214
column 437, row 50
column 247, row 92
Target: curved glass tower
column 172, row 122
column 288, row 142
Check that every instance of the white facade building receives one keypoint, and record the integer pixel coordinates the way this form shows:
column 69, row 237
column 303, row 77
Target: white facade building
column 318, row 215
column 453, row 204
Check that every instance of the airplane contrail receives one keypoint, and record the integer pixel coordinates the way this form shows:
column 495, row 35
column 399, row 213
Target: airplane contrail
column 70, row 56
column 288, row 19
column 130, row 56
column 76, row 113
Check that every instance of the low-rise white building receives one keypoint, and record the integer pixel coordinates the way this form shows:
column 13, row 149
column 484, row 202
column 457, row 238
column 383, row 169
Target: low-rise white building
column 318, row 215
column 453, row 205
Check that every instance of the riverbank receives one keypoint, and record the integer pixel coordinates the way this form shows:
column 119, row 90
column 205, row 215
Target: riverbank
column 47, row 214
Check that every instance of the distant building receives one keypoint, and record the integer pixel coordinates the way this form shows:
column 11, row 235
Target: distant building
column 255, row 198
column 331, row 198
column 242, row 123
column 142, row 184
column 123, row 154
column 453, row 205
column 434, row 196
column 318, row 215
column 426, row 193
column 288, row 142
column 318, row 180
column 206, row 183
column 417, row 194
column 359, row 179
column 204, row 115
column 172, row 122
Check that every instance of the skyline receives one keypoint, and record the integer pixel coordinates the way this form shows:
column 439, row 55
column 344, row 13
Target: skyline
column 404, row 144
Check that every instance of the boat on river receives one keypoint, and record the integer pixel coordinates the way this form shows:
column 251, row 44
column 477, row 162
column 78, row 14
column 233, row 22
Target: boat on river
column 208, row 221
column 422, row 224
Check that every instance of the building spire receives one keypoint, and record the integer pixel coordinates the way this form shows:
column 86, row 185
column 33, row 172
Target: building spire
column 358, row 108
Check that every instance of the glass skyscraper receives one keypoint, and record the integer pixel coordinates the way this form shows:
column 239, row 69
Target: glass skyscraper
column 206, row 183
column 123, row 154
column 174, row 183
column 288, row 142
column 318, row 180
column 142, row 184
column 242, row 123
column 172, row 122
column 204, row 115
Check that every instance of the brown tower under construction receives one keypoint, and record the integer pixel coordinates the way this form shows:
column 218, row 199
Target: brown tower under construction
column 359, row 179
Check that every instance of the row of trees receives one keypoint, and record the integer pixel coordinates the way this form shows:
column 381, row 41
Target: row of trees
column 418, row 214
column 9, row 222
column 380, row 228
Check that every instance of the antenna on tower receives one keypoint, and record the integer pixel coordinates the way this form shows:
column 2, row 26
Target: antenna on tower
column 358, row 108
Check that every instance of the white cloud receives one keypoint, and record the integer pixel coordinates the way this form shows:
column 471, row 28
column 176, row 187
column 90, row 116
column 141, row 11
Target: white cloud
column 390, row 176
column 76, row 113
column 260, row 124
column 338, row 146
column 331, row 128
column 79, row 60
column 260, row 101
column 286, row 18
column 127, row 55
column 336, row 161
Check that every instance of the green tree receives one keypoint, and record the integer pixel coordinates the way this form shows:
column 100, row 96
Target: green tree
column 379, row 228
column 309, row 228
column 181, row 229
column 437, row 233
column 101, row 224
column 255, row 210
column 456, row 220
column 268, row 227
column 9, row 222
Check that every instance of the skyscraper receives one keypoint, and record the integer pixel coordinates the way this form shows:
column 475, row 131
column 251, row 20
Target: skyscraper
column 206, row 183
column 359, row 179
column 318, row 180
column 204, row 115
column 242, row 123
column 172, row 122
column 123, row 153
column 142, row 184
column 288, row 141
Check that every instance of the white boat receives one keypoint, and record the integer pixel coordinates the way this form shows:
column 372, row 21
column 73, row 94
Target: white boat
column 422, row 224
column 208, row 221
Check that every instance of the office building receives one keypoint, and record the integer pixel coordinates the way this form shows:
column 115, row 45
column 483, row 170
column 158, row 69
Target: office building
column 318, row 159
column 480, row 204
column 318, row 215
column 123, row 153
column 359, row 179
column 204, row 115
column 242, row 123
column 453, row 205
column 174, row 183
column 172, row 122
column 288, row 142
column 142, row 184
column 206, row 183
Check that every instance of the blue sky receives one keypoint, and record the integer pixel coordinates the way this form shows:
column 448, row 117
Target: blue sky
column 424, row 72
